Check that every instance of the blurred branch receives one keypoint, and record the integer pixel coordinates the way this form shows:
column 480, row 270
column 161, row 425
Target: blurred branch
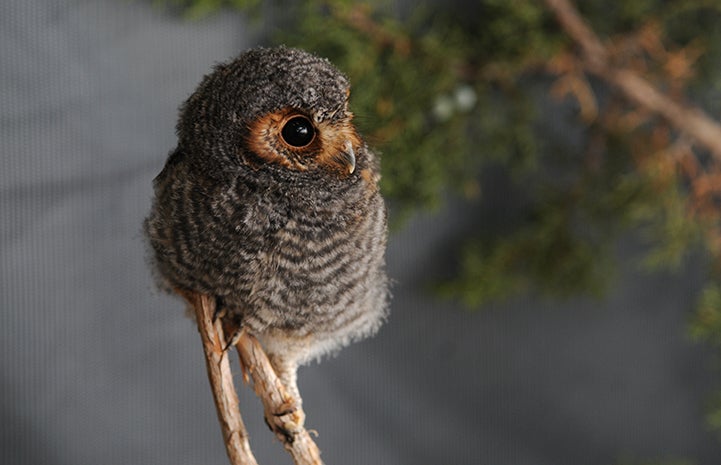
column 691, row 120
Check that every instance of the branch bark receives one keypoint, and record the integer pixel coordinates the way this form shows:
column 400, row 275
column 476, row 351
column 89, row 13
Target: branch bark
column 283, row 412
column 691, row 120
column 235, row 436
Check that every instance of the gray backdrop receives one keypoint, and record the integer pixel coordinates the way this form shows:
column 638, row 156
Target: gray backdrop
column 98, row 368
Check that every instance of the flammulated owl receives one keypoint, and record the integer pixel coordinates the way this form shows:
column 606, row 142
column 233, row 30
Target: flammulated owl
column 270, row 203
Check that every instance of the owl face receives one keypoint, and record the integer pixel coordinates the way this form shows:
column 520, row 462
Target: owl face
column 273, row 107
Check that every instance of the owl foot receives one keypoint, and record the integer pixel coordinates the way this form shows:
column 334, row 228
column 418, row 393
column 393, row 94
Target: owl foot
column 231, row 329
column 233, row 339
column 220, row 313
column 287, row 421
column 220, row 310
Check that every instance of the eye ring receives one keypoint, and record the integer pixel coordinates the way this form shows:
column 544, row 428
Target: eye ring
column 298, row 132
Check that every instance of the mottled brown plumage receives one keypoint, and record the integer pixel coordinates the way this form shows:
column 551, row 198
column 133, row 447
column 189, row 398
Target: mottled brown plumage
column 270, row 203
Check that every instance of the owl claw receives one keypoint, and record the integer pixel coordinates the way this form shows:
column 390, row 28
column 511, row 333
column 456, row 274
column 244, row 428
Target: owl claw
column 286, row 422
column 284, row 435
column 220, row 310
column 286, row 408
column 233, row 339
column 231, row 328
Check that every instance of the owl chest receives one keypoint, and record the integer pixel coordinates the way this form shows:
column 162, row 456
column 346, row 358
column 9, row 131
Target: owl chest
column 299, row 262
column 292, row 230
column 297, row 273
column 299, row 254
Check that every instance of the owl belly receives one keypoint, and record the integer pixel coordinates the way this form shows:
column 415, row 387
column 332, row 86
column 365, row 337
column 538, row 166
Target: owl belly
column 317, row 285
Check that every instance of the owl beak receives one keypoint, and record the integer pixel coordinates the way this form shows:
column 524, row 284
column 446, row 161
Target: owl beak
column 348, row 156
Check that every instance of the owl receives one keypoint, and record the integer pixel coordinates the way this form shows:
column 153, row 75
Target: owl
column 270, row 204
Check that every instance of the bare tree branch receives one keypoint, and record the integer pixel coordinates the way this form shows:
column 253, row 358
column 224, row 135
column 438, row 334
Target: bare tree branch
column 235, row 435
column 283, row 413
column 691, row 120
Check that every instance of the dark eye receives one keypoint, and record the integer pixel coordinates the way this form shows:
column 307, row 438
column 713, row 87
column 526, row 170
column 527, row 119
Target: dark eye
column 298, row 131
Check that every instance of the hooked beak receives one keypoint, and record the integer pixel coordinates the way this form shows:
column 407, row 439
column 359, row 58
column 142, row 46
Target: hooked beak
column 348, row 156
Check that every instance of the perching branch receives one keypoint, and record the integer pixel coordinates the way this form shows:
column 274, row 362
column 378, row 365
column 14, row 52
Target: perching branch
column 691, row 120
column 283, row 413
column 235, row 435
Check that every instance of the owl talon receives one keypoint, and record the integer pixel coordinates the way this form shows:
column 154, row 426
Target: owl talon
column 286, row 408
column 285, row 431
column 233, row 339
column 286, row 422
column 220, row 309
column 232, row 330
column 285, row 436
column 284, row 412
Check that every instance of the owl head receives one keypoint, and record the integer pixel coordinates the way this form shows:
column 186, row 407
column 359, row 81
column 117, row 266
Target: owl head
column 272, row 107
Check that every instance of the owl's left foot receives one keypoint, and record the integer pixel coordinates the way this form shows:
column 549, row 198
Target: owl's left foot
column 287, row 421
column 232, row 329
column 220, row 309
column 233, row 338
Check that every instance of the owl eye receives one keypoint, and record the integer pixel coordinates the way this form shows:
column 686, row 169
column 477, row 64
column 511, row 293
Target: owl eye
column 298, row 131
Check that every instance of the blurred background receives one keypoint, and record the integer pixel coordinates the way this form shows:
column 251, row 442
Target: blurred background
column 555, row 244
